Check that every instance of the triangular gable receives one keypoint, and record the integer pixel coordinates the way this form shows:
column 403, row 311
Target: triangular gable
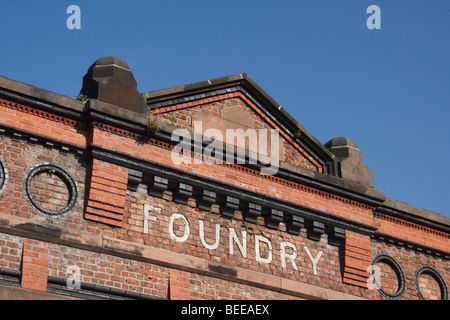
column 236, row 102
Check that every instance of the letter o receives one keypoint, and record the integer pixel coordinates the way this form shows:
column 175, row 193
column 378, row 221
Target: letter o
column 186, row 227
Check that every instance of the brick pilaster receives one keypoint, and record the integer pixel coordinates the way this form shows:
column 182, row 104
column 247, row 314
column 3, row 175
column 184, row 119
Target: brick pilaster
column 179, row 285
column 34, row 265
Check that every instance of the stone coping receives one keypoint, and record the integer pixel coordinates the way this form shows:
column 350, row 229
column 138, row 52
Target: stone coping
column 416, row 211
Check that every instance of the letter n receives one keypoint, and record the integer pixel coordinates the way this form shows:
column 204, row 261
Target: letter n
column 234, row 239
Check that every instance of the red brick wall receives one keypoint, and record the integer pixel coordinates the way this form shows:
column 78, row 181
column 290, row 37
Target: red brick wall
column 429, row 287
column 108, row 270
column 181, row 116
column 328, row 269
column 108, row 209
column 38, row 259
column 413, row 232
column 409, row 261
column 10, row 252
column 49, row 191
column 179, row 283
column 208, row 288
column 41, row 122
column 235, row 175
column 34, row 265
column 20, row 157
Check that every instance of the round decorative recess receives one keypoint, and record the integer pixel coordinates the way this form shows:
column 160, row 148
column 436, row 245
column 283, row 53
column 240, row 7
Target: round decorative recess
column 51, row 190
column 3, row 176
column 392, row 263
column 436, row 276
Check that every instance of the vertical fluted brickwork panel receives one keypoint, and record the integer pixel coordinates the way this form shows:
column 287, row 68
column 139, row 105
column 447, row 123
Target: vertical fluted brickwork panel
column 107, row 192
column 356, row 259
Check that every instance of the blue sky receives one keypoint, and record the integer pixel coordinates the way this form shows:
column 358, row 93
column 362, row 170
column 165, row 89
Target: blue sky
column 388, row 89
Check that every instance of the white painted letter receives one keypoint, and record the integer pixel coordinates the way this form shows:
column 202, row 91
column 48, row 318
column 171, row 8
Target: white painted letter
column 213, row 246
column 74, row 21
column 186, row 227
column 374, row 21
column 313, row 260
column 242, row 247
column 258, row 257
column 285, row 255
column 147, row 217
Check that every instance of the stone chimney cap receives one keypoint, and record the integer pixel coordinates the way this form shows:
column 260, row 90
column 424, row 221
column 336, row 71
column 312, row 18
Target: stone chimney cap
column 109, row 79
column 109, row 61
column 341, row 142
column 350, row 161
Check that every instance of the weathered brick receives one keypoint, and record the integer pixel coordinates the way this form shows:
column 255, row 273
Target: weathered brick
column 109, row 210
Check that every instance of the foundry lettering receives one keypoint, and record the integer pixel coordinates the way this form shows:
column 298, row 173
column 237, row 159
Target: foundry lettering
column 258, row 240
column 213, row 246
column 186, row 228
column 313, row 260
column 291, row 256
column 288, row 250
column 234, row 239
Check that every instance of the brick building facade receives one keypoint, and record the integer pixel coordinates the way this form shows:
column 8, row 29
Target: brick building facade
column 93, row 205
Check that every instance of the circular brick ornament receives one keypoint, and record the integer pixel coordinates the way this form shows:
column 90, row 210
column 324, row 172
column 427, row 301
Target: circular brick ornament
column 3, row 176
column 436, row 276
column 391, row 262
column 64, row 176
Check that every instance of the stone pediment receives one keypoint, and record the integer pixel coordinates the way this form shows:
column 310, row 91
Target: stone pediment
column 234, row 103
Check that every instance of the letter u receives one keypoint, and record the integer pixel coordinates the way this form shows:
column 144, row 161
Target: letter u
column 213, row 246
